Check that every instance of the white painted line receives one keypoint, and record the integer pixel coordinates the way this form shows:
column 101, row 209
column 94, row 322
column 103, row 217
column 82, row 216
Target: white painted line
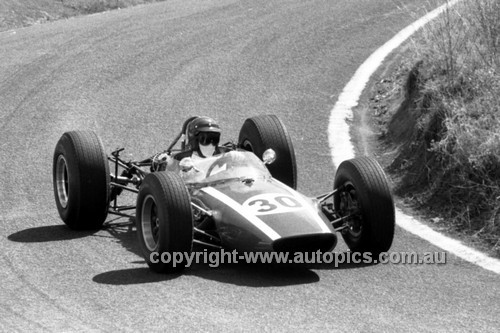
column 243, row 211
column 341, row 114
column 338, row 132
column 448, row 244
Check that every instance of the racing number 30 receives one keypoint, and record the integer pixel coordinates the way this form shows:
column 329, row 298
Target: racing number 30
column 272, row 204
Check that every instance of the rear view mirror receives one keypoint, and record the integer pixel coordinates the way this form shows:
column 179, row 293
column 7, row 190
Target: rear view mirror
column 269, row 156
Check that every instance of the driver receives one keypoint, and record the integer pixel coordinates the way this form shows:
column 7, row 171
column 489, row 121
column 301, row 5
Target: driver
column 203, row 136
column 202, row 139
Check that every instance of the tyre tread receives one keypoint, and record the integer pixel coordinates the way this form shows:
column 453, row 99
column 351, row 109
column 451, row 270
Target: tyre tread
column 84, row 153
column 170, row 192
column 273, row 134
column 377, row 202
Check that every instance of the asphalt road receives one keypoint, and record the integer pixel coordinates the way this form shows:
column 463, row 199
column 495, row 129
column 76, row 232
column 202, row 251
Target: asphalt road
column 133, row 76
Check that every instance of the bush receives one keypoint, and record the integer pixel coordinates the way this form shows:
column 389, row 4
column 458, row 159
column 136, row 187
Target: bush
column 460, row 80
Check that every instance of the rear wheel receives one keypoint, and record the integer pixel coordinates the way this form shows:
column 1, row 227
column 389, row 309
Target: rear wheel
column 164, row 221
column 81, row 180
column 363, row 194
column 260, row 133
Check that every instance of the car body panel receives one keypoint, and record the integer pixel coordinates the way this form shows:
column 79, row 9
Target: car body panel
column 252, row 210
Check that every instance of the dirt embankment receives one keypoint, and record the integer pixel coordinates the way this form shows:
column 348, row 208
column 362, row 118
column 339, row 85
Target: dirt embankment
column 409, row 121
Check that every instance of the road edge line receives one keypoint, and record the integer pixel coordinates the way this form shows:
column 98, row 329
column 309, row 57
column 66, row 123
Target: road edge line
column 338, row 131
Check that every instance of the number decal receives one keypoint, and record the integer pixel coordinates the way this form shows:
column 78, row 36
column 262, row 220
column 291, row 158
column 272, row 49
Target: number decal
column 287, row 201
column 263, row 206
column 272, row 203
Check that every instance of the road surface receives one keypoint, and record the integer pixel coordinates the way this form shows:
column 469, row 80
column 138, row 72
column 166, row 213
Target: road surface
column 134, row 76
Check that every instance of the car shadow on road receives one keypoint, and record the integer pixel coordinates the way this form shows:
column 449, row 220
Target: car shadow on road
column 339, row 266
column 123, row 230
column 132, row 276
column 248, row 275
column 120, row 229
column 51, row 233
column 240, row 273
column 255, row 275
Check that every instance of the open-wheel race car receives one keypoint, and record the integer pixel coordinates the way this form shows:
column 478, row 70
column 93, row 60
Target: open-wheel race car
column 242, row 198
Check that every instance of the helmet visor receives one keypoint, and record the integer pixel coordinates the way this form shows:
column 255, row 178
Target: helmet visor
column 207, row 138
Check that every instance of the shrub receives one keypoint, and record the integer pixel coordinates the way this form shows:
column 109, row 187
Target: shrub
column 460, row 78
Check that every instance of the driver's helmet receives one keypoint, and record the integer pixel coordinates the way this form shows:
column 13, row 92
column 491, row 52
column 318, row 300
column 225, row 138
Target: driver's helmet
column 203, row 136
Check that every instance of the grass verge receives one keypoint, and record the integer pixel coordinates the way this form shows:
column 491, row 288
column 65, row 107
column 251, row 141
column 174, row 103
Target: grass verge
column 21, row 13
column 440, row 113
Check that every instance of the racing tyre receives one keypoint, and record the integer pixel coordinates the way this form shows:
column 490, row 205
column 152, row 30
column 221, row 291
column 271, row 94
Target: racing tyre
column 164, row 221
column 80, row 176
column 267, row 131
column 363, row 193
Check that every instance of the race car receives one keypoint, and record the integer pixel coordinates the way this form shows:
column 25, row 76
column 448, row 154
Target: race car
column 243, row 198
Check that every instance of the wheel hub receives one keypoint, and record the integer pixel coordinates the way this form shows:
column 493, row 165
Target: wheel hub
column 349, row 207
column 62, row 181
column 150, row 223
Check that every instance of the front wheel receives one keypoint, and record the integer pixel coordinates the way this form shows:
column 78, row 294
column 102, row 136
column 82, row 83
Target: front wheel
column 164, row 222
column 81, row 180
column 363, row 194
